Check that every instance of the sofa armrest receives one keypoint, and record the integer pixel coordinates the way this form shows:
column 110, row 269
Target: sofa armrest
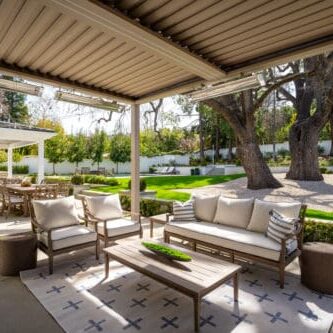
column 168, row 217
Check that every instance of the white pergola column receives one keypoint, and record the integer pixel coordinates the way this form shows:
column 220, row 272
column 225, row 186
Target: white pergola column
column 40, row 161
column 10, row 162
column 135, row 161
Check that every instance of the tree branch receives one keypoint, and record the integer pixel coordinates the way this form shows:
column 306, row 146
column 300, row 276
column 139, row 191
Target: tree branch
column 277, row 85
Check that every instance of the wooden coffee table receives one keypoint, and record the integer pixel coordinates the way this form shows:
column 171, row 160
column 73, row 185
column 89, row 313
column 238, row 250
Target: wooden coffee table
column 195, row 279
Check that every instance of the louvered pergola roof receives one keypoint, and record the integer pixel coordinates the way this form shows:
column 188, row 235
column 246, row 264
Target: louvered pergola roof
column 134, row 51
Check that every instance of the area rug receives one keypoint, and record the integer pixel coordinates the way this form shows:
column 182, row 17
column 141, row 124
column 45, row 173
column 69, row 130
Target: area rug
column 81, row 300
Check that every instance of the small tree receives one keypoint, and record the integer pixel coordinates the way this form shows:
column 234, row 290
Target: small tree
column 97, row 146
column 120, row 149
column 55, row 148
column 76, row 150
column 3, row 156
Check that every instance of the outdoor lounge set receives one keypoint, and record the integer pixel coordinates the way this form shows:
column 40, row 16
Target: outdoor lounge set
column 244, row 229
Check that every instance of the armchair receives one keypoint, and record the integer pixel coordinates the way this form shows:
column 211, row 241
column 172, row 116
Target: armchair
column 108, row 218
column 58, row 228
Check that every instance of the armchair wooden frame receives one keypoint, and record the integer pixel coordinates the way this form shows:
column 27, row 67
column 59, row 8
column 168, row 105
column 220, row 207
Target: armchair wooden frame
column 90, row 218
column 48, row 249
column 281, row 264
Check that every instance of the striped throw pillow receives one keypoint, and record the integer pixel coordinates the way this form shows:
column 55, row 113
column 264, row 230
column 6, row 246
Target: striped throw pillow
column 183, row 211
column 279, row 226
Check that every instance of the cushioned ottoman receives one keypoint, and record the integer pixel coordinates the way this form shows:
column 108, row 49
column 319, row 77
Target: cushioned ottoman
column 18, row 252
column 317, row 266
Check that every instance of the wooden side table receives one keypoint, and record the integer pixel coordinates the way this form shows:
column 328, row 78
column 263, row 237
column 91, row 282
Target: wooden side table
column 159, row 219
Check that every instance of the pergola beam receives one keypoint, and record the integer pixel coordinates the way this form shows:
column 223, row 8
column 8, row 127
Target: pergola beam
column 108, row 19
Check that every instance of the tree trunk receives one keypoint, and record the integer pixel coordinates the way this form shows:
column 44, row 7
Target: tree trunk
column 53, row 165
column 254, row 165
column 117, row 167
column 303, row 141
column 331, row 129
column 217, row 144
column 230, row 149
column 201, row 140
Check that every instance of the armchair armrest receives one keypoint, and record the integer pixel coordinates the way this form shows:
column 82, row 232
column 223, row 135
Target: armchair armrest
column 168, row 217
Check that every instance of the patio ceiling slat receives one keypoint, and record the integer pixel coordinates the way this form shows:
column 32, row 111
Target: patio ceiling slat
column 23, row 20
column 170, row 76
column 274, row 27
column 315, row 29
column 271, row 14
column 147, row 48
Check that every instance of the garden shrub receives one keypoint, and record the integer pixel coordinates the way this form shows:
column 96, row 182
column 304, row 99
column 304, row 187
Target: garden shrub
column 148, row 207
column 152, row 169
column 321, row 150
column 77, row 180
column 17, row 169
column 318, row 232
column 143, row 185
column 94, row 179
column 323, row 170
column 283, row 152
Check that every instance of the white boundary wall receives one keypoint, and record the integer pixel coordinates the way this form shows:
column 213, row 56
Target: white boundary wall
column 145, row 162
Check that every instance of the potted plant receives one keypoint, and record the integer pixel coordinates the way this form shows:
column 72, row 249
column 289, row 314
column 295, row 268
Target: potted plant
column 143, row 192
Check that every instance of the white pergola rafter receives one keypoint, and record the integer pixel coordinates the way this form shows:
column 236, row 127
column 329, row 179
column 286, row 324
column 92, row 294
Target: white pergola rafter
column 16, row 136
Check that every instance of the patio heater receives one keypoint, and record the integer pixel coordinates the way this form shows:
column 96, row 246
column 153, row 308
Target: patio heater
column 89, row 101
column 227, row 88
column 22, row 87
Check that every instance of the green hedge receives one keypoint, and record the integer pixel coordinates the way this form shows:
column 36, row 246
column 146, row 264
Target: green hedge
column 93, row 179
column 17, row 169
column 318, row 232
column 148, row 207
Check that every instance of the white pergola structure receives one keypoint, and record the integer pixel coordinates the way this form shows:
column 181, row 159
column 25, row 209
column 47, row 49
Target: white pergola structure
column 16, row 136
column 136, row 51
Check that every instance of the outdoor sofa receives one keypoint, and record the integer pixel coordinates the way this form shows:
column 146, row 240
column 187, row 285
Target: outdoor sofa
column 237, row 227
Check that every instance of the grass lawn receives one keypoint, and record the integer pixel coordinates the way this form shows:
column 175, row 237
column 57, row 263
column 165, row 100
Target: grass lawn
column 165, row 185
column 319, row 214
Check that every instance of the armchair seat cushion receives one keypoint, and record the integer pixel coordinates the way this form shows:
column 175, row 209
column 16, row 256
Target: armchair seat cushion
column 232, row 238
column 118, row 227
column 69, row 236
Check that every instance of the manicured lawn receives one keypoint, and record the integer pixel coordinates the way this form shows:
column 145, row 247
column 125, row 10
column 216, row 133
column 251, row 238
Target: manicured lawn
column 319, row 214
column 165, row 185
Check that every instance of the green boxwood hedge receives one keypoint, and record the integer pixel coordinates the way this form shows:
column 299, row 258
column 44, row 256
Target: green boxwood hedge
column 318, row 232
column 17, row 169
column 148, row 207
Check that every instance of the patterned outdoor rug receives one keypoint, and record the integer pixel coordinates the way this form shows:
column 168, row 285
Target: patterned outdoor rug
column 80, row 300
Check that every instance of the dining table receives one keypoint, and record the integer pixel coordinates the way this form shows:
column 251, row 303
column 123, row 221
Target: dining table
column 27, row 192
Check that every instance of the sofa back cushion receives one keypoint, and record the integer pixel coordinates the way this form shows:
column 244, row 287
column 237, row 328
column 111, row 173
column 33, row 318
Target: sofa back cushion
column 280, row 226
column 260, row 215
column 183, row 211
column 234, row 212
column 56, row 213
column 105, row 207
column 205, row 207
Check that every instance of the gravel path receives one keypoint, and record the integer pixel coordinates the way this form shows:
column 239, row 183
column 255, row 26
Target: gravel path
column 317, row 195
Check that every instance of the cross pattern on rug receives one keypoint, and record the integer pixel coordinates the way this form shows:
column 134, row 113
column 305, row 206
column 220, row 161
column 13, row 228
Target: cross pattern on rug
column 81, row 300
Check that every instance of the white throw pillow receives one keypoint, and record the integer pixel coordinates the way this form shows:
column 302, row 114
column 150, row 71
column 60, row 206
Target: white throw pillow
column 280, row 226
column 260, row 216
column 105, row 207
column 183, row 211
column 205, row 207
column 234, row 212
column 56, row 213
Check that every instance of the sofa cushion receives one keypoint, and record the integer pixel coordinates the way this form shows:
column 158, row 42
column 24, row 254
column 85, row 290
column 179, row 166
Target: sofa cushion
column 183, row 211
column 231, row 238
column 280, row 226
column 234, row 212
column 105, row 207
column 260, row 215
column 56, row 212
column 205, row 207
column 69, row 236
column 118, row 227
